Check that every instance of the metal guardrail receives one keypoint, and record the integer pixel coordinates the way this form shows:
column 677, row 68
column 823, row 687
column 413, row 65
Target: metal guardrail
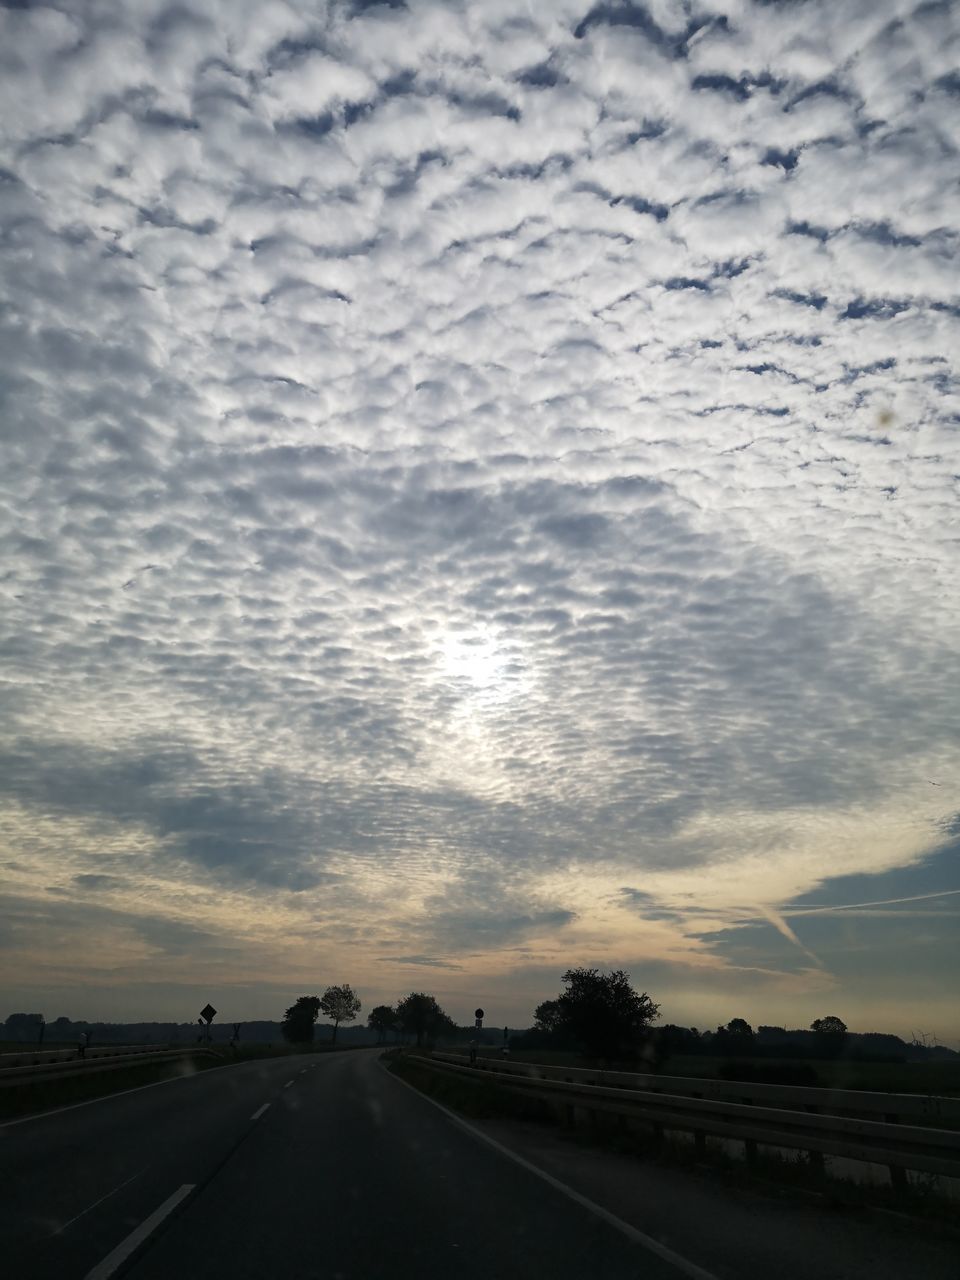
column 898, row 1146
column 36, row 1073
column 892, row 1107
column 39, row 1056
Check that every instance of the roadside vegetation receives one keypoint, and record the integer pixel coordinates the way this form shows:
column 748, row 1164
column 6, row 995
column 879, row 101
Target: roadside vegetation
column 30, row 1097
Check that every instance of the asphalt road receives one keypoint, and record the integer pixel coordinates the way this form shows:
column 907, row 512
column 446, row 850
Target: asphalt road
column 325, row 1168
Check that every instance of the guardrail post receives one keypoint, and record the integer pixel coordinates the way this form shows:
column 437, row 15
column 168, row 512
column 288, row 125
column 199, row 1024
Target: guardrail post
column 699, row 1137
column 815, row 1158
column 749, row 1145
column 898, row 1175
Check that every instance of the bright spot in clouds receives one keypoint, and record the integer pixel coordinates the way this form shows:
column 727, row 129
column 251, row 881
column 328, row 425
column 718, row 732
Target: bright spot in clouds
column 475, row 658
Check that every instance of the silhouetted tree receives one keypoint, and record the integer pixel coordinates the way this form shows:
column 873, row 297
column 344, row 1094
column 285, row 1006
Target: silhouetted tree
column 27, row 1027
column 829, row 1026
column 547, row 1017
column 382, row 1019
column 736, row 1037
column 738, row 1027
column 603, row 1013
column 671, row 1039
column 420, row 1014
column 831, row 1032
column 341, row 1004
column 297, row 1024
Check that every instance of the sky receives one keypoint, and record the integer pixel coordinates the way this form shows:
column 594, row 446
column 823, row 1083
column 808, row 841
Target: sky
column 478, row 496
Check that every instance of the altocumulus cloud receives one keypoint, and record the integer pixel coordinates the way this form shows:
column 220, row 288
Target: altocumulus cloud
column 461, row 459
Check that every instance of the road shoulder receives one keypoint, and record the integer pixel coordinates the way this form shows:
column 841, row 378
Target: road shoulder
column 725, row 1228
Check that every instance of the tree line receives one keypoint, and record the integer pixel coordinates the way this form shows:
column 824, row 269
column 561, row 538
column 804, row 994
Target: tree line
column 598, row 1014
column 417, row 1014
column 338, row 1003
column 602, row 1015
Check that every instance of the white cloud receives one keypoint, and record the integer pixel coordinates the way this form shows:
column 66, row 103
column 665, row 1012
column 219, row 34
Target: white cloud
column 477, row 431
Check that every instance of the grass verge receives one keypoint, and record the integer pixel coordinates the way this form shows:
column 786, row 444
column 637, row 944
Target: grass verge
column 480, row 1098
column 32, row 1097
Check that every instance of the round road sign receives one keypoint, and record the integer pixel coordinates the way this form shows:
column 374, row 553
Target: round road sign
column 478, row 1013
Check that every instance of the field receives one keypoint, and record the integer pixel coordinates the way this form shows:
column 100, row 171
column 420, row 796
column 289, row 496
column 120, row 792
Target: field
column 941, row 1078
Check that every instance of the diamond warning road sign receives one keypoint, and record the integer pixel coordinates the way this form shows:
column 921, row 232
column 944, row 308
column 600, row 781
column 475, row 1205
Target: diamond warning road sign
column 208, row 1013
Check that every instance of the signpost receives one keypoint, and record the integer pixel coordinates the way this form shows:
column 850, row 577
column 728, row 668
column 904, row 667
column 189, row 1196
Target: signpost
column 478, row 1015
column 208, row 1013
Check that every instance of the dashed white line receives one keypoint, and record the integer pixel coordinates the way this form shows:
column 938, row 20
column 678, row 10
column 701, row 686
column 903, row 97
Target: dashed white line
column 60, row 1230
column 259, row 1112
column 288, row 1084
column 125, row 1248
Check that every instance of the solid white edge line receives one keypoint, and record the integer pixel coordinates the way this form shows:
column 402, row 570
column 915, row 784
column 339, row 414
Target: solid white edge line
column 133, row 1241
column 632, row 1233
column 259, row 1112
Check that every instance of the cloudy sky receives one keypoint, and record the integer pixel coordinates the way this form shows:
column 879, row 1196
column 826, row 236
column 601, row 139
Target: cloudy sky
column 479, row 495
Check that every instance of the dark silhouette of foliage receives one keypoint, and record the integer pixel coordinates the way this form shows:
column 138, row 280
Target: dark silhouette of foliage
column 671, row 1039
column 25, row 1027
column 829, row 1026
column 736, row 1037
column 383, row 1019
column 298, row 1021
column 738, row 1027
column 420, row 1015
column 547, row 1016
column 341, row 1004
column 831, row 1033
column 602, row 1012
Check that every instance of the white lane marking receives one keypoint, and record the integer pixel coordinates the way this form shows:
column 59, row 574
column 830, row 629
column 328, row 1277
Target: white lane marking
column 108, row 1097
column 136, row 1238
column 303, row 1071
column 259, row 1112
column 288, row 1084
column 95, row 1203
column 682, row 1264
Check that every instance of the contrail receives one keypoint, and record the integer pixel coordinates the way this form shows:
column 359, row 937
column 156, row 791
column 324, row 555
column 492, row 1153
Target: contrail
column 782, row 927
column 850, row 906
